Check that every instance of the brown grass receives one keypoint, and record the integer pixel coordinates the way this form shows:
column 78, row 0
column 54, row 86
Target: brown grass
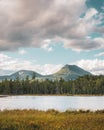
column 51, row 120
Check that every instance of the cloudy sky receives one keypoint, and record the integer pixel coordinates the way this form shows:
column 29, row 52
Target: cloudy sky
column 44, row 35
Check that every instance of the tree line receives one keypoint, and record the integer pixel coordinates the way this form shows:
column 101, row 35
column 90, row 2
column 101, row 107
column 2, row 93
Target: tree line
column 83, row 85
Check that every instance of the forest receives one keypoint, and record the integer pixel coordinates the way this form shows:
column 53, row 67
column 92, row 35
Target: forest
column 88, row 84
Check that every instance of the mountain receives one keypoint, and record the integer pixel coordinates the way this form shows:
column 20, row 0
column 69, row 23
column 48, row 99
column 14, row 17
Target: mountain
column 68, row 72
column 22, row 74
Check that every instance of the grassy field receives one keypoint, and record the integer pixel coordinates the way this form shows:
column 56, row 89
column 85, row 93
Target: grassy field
column 51, row 120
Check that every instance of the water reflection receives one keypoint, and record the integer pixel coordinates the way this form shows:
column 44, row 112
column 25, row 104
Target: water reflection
column 60, row 103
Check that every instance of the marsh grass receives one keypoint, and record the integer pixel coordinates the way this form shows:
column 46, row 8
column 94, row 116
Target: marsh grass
column 51, row 120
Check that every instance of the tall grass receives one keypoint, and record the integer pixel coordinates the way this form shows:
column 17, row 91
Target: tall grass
column 51, row 120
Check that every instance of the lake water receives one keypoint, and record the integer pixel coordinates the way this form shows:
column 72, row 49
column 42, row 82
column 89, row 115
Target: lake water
column 60, row 103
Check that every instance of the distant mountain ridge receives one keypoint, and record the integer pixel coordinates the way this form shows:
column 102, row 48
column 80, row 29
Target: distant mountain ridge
column 22, row 74
column 68, row 72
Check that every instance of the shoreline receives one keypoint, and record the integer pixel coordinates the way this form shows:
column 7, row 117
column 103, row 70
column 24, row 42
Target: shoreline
column 79, row 111
column 85, row 95
column 3, row 96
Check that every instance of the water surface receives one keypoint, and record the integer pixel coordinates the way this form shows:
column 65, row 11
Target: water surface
column 60, row 103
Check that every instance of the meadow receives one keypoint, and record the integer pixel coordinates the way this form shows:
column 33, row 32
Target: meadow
column 51, row 120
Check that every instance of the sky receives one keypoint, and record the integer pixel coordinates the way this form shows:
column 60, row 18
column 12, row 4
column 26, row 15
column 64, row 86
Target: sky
column 43, row 35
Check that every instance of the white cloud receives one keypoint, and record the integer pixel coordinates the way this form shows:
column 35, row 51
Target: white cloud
column 48, row 68
column 9, row 65
column 46, row 45
column 22, row 52
column 50, row 49
column 95, row 66
column 99, row 54
column 4, row 58
column 90, row 13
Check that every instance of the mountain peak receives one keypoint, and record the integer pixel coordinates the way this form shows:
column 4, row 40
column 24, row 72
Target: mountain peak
column 69, row 66
column 68, row 72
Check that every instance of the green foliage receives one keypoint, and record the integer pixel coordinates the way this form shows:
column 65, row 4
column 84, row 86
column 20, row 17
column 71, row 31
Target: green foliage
column 83, row 85
column 51, row 120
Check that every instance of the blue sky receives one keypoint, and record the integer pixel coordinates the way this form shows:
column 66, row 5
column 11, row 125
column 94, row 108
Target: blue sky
column 43, row 35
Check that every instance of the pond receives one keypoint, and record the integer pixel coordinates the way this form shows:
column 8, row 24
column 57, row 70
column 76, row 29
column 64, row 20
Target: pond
column 61, row 103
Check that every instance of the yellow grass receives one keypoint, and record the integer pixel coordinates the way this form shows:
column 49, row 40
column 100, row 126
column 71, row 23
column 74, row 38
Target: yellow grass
column 51, row 120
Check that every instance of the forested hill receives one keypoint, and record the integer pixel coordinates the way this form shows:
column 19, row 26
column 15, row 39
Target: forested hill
column 68, row 72
column 88, row 84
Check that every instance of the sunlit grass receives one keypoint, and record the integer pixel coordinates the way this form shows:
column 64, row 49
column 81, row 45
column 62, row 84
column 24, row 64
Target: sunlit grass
column 51, row 120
